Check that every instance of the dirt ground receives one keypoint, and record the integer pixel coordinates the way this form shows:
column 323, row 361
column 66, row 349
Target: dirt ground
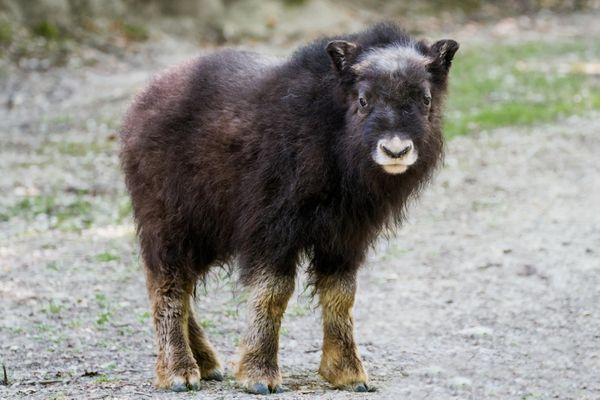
column 490, row 290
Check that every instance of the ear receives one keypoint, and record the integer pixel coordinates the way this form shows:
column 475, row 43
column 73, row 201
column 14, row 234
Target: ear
column 442, row 53
column 342, row 53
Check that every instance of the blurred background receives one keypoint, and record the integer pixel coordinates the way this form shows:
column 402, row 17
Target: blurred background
column 496, row 272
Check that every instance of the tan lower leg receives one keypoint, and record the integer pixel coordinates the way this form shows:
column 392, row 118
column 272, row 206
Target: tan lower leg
column 204, row 352
column 340, row 363
column 259, row 361
column 175, row 366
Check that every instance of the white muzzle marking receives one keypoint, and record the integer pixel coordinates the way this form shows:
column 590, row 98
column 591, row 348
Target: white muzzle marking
column 395, row 155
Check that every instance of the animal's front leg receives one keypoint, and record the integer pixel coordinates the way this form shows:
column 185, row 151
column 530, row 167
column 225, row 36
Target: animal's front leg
column 258, row 370
column 340, row 362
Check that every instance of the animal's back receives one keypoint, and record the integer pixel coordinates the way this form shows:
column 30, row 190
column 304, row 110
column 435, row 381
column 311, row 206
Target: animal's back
column 185, row 140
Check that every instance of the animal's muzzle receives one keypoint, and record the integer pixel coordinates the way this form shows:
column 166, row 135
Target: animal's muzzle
column 394, row 154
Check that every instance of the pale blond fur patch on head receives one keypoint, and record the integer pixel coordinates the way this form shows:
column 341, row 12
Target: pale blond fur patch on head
column 391, row 59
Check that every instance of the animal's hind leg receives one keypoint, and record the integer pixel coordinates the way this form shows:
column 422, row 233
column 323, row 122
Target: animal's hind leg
column 258, row 370
column 170, row 294
column 340, row 362
column 204, row 353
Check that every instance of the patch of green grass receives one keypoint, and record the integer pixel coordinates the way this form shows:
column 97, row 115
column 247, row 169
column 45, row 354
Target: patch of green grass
column 207, row 324
column 53, row 266
column 135, row 32
column 106, row 257
column 143, row 317
column 132, row 31
column 6, row 32
column 48, row 30
column 74, row 324
column 42, row 327
column 110, row 365
column 33, row 206
column 125, row 209
column 102, row 378
column 103, row 318
column 54, row 308
column 520, row 84
column 101, row 299
column 76, row 213
column 231, row 312
column 78, row 149
column 17, row 330
column 295, row 3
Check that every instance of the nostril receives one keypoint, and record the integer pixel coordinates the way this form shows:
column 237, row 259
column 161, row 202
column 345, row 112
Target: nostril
column 396, row 154
column 405, row 151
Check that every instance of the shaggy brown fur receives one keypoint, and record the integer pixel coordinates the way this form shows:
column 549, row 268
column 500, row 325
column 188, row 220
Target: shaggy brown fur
column 237, row 155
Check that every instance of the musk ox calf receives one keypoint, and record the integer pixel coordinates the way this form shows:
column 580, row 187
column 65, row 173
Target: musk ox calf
column 239, row 155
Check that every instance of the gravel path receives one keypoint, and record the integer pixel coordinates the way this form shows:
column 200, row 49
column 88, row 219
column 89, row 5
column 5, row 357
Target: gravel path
column 490, row 291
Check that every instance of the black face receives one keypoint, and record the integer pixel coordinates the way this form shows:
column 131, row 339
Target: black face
column 391, row 111
column 393, row 103
column 390, row 105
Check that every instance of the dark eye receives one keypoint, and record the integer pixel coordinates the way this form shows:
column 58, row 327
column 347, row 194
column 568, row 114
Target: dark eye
column 363, row 103
column 427, row 100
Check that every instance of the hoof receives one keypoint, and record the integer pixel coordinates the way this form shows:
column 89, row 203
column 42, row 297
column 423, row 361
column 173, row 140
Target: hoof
column 179, row 387
column 186, row 380
column 278, row 389
column 214, row 375
column 363, row 388
column 258, row 388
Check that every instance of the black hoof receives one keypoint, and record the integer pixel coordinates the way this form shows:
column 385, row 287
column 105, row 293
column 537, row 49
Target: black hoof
column 278, row 389
column 179, row 387
column 258, row 388
column 214, row 375
column 363, row 387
